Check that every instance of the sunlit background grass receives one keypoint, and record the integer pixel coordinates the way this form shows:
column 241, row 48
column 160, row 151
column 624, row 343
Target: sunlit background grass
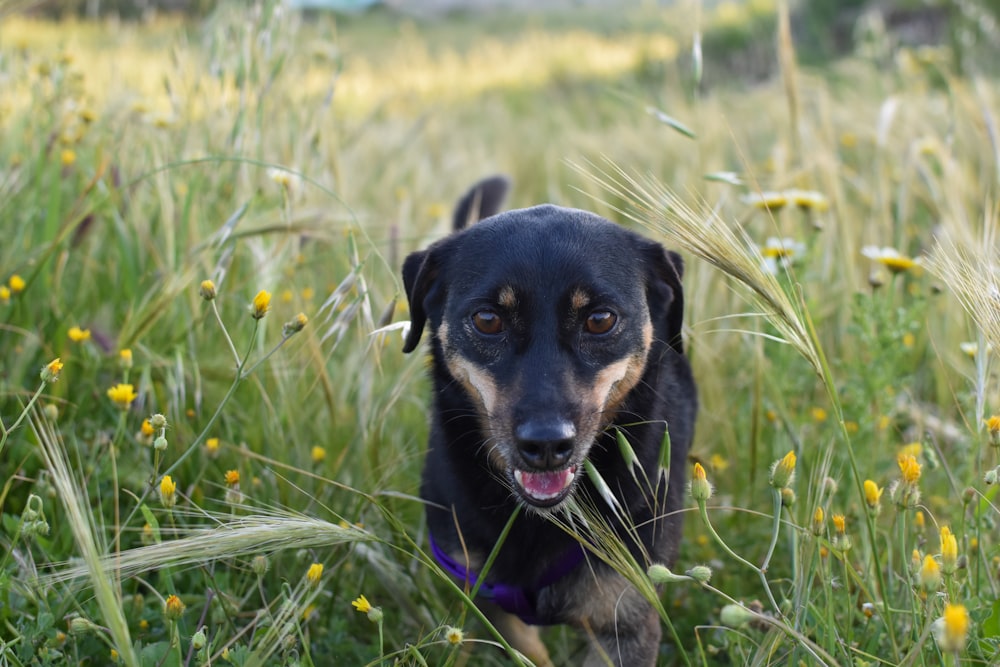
column 304, row 155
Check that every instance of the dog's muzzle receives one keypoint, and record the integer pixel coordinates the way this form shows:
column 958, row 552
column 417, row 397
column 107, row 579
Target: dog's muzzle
column 545, row 448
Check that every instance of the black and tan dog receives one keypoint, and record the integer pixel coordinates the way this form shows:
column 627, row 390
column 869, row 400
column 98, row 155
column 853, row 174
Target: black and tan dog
column 551, row 328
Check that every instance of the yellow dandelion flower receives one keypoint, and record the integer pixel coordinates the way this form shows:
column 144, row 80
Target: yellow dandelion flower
column 308, row 293
column 952, row 629
column 260, row 305
column 914, row 449
column 207, row 290
column 919, row 521
column 67, row 157
column 144, row 625
column 146, row 428
column 16, row 283
column 318, row 454
column 873, row 494
column 212, row 445
column 851, row 427
column 890, row 258
column 51, row 370
column 818, row 414
column 287, row 296
column 168, row 491
column 783, row 471
column 294, row 325
column 314, row 573
column 4, row 294
column 718, row 462
column 930, row 574
column 818, row 521
column 173, row 608
column 114, row 655
column 78, row 335
column 362, row 604
column 993, row 426
column 909, row 340
column 232, row 478
column 701, row 490
column 122, row 395
column 909, row 468
column 949, row 550
column 839, row 523
column 125, row 358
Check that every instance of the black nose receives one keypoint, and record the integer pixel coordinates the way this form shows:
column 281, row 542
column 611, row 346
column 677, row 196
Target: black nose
column 545, row 444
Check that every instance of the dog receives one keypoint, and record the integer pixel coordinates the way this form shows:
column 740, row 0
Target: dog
column 551, row 329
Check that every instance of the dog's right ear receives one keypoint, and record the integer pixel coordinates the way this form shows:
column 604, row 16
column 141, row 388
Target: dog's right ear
column 420, row 273
column 483, row 199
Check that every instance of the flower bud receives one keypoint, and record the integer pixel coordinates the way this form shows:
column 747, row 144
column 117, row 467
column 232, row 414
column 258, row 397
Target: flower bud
column 158, row 421
column 701, row 490
column 207, row 290
column 735, row 616
column 783, row 471
column 160, row 444
column 700, row 573
column 50, row 371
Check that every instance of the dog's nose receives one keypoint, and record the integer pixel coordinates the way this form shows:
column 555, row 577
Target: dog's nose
column 545, row 444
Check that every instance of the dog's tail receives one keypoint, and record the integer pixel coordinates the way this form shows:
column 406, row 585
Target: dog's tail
column 484, row 199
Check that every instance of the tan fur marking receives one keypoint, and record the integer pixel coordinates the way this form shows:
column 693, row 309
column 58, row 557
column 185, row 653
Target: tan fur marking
column 614, row 382
column 476, row 381
column 579, row 299
column 507, row 298
column 521, row 636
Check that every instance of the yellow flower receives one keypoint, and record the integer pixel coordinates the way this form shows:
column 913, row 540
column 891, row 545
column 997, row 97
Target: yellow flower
column 909, row 468
column 808, row 200
column 125, row 358
column 914, row 449
column 51, row 370
column 212, row 445
column 362, row 604
column 718, row 462
column 930, row 574
column 701, row 490
column 233, row 478
column 78, row 335
column 114, row 655
column 168, row 491
column 993, row 426
column 919, row 521
column 286, row 179
column 890, row 258
column 818, row 521
column 909, row 340
column 952, row 629
column 783, row 471
column 453, row 635
column 260, row 305
column 873, row 494
column 949, row 550
column 207, row 290
column 294, row 325
column 771, row 201
column 840, row 523
column 4, row 294
column 122, row 395
column 314, row 573
column 16, row 283
column 67, row 157
column 173, row 608
column 318, row 454
column 818, row 414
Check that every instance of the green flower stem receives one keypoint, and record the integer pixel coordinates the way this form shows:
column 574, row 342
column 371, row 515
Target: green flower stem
column 775, row 529
column 4, row 431
column 225, row 332
column 703, row 510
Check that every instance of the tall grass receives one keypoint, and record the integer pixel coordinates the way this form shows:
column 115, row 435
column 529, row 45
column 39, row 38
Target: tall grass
column 266, row 152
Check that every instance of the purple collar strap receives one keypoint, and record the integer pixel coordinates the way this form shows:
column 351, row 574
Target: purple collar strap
column 517, row 600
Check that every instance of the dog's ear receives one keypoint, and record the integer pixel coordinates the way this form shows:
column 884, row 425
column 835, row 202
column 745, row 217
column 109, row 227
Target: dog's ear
column 484, row 199
column 665, row 293
column 420, row 271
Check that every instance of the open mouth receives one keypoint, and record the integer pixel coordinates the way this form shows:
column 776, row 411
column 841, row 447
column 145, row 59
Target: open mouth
column 545, row 489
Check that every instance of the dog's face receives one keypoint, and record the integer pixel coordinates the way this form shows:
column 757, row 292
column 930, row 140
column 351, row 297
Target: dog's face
column 545, row 317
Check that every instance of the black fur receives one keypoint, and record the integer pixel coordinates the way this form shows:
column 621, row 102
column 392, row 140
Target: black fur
column 533, row 268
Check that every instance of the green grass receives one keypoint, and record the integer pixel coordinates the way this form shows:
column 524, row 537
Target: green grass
column 136, row 162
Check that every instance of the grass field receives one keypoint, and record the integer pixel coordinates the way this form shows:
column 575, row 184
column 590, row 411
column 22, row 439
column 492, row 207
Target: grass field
column 265, row 151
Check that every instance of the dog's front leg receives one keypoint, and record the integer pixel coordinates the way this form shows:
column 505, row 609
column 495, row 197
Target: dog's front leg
column 520, row 635
column 623, row 628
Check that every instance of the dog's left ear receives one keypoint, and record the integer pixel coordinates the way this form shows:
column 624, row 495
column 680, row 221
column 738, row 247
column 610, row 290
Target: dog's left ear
column 665, row 293
column 420, row 272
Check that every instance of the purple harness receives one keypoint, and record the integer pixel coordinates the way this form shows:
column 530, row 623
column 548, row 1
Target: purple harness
column 516, row 600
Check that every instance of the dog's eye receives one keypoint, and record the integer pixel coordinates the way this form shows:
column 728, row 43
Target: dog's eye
column 600, row 322
column 487, row 322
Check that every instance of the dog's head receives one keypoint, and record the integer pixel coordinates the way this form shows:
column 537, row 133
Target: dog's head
column 546, row 318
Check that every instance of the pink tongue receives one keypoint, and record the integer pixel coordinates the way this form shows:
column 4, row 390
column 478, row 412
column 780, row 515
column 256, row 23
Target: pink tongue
column 545, row 484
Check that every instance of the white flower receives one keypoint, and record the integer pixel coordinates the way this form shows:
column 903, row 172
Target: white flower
column 890, row 258
column 780, row 253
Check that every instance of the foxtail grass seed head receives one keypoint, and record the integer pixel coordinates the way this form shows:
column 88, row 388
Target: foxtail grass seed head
column 930, row 574
column 993, row 428
column 173, row 608
column 294, row 325
column 315, row 573
column 783, row 471
column 50, row 371
column 951, row 631
column 260, row 305
column 125, row 358
column 17, row 284
column 260, row 565
column 207, row 290
column 78, row 335
column 168, row 491
column 949, row 551
column 122, row 395
column 453, row 635
column 700, row 573
column 873, row 497
column 701, row 489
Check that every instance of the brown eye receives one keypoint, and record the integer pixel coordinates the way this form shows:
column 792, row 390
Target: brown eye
column 600, row 322
column 487, row 322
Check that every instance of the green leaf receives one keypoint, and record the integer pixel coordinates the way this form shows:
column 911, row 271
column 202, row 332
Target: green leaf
column 672, row 122
column 991, row 626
